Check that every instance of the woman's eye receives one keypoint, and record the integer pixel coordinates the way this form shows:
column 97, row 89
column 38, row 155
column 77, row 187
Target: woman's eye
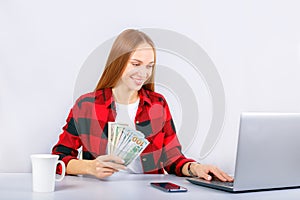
column 135, row 64
column 149, row 66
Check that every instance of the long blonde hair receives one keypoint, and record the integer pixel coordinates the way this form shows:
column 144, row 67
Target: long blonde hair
column 123, row 47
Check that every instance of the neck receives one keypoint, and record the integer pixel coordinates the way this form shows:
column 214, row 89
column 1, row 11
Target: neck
column 124, row 96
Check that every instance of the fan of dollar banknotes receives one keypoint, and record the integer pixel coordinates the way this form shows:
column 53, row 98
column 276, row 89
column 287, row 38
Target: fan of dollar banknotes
column 125, row 142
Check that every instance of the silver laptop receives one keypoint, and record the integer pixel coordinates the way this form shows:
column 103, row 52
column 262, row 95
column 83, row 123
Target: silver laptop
column 268, row 154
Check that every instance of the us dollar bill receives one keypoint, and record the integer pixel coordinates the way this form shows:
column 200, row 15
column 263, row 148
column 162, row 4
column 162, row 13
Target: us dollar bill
column 125, row 142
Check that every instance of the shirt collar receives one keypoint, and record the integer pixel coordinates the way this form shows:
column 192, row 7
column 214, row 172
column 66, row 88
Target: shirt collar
column 144, row 96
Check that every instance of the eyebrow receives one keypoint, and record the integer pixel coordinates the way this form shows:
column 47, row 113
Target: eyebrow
column 141, row 61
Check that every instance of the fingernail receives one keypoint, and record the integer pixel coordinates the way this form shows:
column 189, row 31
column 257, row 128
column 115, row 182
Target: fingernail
column 209, row 178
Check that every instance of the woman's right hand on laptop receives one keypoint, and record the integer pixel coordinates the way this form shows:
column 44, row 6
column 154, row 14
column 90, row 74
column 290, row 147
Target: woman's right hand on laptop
column 208, row 171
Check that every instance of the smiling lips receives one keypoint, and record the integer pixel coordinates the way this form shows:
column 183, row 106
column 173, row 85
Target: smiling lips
column 138, row 81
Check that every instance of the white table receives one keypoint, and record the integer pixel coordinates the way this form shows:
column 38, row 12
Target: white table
column 123, row 186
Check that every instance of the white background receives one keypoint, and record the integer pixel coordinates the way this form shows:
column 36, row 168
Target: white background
column 255, row 45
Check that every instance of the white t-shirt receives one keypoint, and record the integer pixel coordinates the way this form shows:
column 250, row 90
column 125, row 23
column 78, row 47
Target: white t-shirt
column 126, row 114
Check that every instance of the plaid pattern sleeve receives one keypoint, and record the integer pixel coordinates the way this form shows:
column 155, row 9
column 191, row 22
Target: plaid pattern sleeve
column 68, row 142
column 87, row 127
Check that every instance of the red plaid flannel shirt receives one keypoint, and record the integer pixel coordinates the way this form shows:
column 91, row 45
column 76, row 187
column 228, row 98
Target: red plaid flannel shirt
column 87, row 126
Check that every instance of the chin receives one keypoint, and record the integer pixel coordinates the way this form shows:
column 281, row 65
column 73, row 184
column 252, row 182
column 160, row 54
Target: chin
column 133, row 86
column 136, row 88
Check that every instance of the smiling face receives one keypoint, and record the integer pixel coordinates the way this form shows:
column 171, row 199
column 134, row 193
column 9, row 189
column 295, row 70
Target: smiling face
column 131, row 52
column 138, row 68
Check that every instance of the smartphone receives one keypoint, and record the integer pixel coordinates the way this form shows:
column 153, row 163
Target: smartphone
column 168, row 187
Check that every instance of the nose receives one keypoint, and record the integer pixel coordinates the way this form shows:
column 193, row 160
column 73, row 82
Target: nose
column 143, row 71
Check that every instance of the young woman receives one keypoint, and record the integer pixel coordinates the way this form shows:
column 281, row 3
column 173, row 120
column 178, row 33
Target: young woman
column 125, row 94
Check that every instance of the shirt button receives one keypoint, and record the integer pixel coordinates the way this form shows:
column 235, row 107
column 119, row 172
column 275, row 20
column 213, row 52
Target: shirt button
column 144, row 159
column 137, row 122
